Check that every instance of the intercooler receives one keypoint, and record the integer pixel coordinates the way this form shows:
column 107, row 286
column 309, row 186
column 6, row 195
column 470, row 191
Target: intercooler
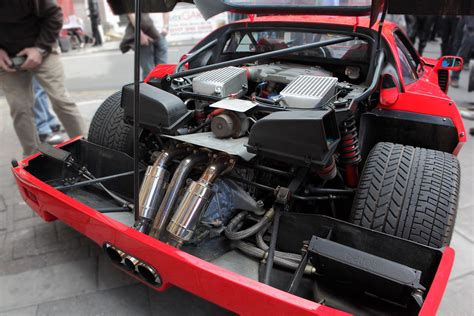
column 308, row 92
column 222, row 82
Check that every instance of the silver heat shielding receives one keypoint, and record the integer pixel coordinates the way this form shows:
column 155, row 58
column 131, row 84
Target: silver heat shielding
column 177, row 183
column 153, row 187
column 308, row 92
column 197, row 197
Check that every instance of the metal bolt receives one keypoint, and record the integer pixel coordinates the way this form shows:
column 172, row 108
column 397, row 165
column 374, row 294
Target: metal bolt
column 450, row 103
column 462, row 134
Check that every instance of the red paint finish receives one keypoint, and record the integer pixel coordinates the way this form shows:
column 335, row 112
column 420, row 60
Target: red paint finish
column 220, row 286
column 434, row 296
column 160, row 71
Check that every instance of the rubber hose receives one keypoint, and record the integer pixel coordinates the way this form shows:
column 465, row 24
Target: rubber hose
column 238, row 235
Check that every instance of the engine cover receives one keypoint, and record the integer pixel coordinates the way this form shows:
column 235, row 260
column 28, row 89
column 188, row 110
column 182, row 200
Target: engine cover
column 309, row 92
column 222, row 82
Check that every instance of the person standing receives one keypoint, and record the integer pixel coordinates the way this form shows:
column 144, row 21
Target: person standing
column 420, row 27
column 465, row 51
column 154, row 47
column 47, row 125
column 448, row 26
column 29, row 29
column 94, row 16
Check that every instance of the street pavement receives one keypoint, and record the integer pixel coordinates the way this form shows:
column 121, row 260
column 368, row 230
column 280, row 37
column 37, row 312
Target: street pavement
column 50, row 269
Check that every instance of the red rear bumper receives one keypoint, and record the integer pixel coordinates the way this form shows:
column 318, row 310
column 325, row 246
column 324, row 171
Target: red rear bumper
column 222, row 287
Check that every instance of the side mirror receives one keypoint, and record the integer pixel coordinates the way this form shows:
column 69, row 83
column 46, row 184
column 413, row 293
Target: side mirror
column 389, row 90
column 453, row 63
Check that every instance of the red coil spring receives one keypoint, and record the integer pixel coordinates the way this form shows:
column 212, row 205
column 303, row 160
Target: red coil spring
column 350, row 152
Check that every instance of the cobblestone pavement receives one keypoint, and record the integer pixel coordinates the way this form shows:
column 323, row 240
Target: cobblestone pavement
column 49, row 269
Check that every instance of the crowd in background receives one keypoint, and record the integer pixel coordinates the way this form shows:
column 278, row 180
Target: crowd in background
column 456, row 34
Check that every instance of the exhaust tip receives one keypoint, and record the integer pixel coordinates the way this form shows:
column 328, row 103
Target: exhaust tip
column 131, row 263
column 149, row 274
column 114, row 254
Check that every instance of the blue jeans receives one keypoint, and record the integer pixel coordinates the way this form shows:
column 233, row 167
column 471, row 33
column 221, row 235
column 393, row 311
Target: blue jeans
column 44, row 119
column 153, row 54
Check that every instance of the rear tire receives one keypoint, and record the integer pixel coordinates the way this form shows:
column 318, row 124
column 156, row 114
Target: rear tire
column 409, row 192
column 108, row 127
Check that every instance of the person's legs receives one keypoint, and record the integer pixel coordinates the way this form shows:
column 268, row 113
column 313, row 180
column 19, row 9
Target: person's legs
column 464, row 52
column 50, row 75
column 40, row 109
column 19, row 94
column 425, row 28
column 147, row 62
column 46, row 122
column 161, row 51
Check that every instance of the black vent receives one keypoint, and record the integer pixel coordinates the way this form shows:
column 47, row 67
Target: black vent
column 443, row 78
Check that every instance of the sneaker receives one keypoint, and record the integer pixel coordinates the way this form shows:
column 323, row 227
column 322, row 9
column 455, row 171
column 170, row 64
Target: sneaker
column 52, row 139
column 455, row 83
column 55, row 128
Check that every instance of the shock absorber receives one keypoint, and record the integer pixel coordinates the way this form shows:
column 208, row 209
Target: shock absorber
column 349, row 151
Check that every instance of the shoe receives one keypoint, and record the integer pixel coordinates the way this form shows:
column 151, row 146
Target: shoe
column 455, row 83
column 55, row 128
column 52, row 139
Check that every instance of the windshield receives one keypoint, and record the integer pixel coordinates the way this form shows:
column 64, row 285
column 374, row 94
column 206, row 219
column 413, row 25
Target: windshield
column 248, row 42
column 309, row 3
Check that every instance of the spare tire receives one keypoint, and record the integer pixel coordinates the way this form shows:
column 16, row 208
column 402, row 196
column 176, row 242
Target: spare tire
column 108, row 127
column 408, row 192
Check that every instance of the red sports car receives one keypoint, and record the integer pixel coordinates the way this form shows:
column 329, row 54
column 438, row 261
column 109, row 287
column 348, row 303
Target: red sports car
column 296, row 164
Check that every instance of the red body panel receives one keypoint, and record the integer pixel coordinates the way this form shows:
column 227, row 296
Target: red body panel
column 204, row 279
column 220, row 286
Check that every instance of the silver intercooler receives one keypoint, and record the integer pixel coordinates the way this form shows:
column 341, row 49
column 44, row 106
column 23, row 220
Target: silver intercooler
column 223, row 82
column 308, row 92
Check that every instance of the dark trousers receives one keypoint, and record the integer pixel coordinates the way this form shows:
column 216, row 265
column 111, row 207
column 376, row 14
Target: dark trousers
column 467, row 45
column 420, row 27
column 95, row 32
column 448, row 27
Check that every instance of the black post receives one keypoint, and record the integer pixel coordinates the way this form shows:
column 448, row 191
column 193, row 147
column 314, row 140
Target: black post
column 136, row 109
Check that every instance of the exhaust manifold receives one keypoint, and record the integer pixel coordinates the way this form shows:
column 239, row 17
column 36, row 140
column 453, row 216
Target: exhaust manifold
column 177, row 182
column 198, row 195
column 153, row 187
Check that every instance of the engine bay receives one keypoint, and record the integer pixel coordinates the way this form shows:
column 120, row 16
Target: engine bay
column 236, row 161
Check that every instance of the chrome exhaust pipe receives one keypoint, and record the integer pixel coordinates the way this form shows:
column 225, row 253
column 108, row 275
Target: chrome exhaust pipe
column 197, row 196
column 115, row 254
column 171, row 196
column 131, row 263
column 149, row 274
column 153, row 187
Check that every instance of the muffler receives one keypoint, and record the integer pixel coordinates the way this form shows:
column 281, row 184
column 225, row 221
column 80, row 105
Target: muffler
column 145, row 271
column 197, row 196
column 171, row 196
column 153, row 187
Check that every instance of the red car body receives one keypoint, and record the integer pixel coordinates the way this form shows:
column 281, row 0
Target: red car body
column 215, row 284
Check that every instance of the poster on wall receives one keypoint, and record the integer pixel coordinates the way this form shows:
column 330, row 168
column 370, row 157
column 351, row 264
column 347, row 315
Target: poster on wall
column 186, row 25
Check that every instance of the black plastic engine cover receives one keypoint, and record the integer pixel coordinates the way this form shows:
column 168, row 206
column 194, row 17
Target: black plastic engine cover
column 298, row 137
column 159, row 110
